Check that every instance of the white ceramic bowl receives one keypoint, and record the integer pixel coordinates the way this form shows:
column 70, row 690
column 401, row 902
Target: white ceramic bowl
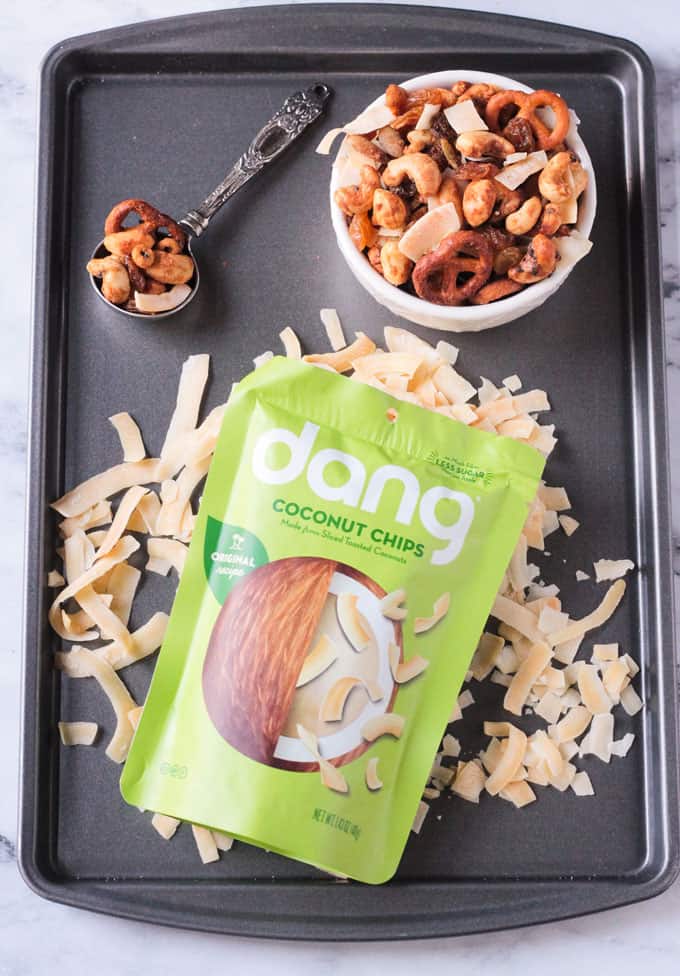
column 463, row 318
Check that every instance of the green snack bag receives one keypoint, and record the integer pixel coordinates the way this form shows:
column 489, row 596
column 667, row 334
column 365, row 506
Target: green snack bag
column 347, row 551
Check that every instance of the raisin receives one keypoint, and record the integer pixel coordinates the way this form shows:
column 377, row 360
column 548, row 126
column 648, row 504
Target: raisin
column 497, row 238
column 520, row 134
column 406, row 189
column 440, row 125
column 437, row 153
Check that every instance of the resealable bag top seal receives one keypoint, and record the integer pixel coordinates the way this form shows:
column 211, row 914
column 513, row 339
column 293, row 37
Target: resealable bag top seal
column 347, row 552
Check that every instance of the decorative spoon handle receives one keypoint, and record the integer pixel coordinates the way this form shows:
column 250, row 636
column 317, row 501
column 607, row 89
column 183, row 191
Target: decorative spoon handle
column 296, row 114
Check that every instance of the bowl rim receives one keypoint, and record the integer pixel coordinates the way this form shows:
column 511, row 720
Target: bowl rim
column 475, row 315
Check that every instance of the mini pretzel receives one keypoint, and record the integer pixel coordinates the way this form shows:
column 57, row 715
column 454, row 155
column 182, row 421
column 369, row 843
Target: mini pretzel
column 547, row 138
column 498, row 102
column 435, row 276
column 147, row 214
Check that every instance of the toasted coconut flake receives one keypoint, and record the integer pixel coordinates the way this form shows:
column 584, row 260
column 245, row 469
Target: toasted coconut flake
column 172, row 511
column 507, row 661
column 165, row 826
column 145, row 516
column 405, row 671
column 519, row 428
column 55, row 579
column 566, row 652
column 633, row 668
column 496, row 411
column 518, row 617
column 167, row 551
column 615, row 678
column 604, row 652
column 193, row 379
column 419, row 819
column 470, row 781
column 574, row 724
column 109, row 482
column 568, row 749
column 120, row 552
column 512, row 383
column 98, row 610
column 533, row 401
column 447, row 352
column 333, row 326
column 551, row 620
column 499, row 729
column 554, row 499
column 130, row 437
column 78, row 555
column 122, row 585
column 147, row 639
column 612, row 569
column 373, row 781
column 427, row 115
column 488, row 649
column 319, row 659
column 99, row 514
column 562, row 781
column 135, row 715
column 597, row 618
column 391, row 605
column 515, row 174
column 594, row 696
column 353, row 624
column 264, row 357
column 549, row 708
column 581, row 784
column 599, row 739
column 223, row 842
column 545, row 750
column 451, row 746
column 78, row 733
column 291, row 343
column 428, row 232
column 569, row 524
column 440, row 609
column 326, row 144
column 205, row 844
column 511, row 760
column 128, row 504
column 388, row 724
column 498, row 678
column 118, row 695
column 341, row 360
column 631, row 701
column 621, row 747
column 331, row 777
column 333, row 705
column 518, row 793
column 530, row 670
column 581, row 576
column 430, row 793
column 455, row 387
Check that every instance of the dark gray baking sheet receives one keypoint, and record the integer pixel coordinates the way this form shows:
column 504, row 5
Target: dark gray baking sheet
column 160, row 110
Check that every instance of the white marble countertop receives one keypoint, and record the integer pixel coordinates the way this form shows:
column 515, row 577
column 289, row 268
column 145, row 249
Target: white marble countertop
column 36, row 936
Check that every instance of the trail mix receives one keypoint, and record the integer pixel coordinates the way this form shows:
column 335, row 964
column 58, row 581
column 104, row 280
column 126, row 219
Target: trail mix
column 464, row 195
column 143, row 270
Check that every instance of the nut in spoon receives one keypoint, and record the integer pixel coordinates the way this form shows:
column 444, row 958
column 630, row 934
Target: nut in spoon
column 296, row 114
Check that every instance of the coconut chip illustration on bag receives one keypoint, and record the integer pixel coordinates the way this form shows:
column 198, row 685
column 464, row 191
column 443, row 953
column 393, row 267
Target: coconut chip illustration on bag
column 347, row 552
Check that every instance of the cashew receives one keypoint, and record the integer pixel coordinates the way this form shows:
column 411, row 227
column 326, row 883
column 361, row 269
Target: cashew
column 420, row 168
column 358, row 199
column 390, row 141
column 123, row 241
column 362, row 231
column 395, row 265
column 551, row 221
column 478, row 201
column 522, row 220
column 508, row 200
column 562, row 178
column 539, row 261
column 373, row 255
column 389, row 210
column 171, row 269
column 418, row 140
column 479, row 145
column 115, row 279
column 363, row 152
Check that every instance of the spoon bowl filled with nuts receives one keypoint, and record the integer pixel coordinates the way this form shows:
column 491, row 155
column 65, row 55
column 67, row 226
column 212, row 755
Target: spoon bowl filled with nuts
column 148, row 269
column 462, row 200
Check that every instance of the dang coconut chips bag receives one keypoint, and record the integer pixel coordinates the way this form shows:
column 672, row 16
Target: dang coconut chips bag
column 347, row 552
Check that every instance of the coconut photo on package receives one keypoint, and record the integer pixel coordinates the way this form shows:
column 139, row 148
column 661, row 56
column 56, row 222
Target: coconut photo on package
column 348, row 549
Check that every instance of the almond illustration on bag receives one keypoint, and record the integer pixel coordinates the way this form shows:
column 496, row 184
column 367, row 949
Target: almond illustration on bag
column 341, row 571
